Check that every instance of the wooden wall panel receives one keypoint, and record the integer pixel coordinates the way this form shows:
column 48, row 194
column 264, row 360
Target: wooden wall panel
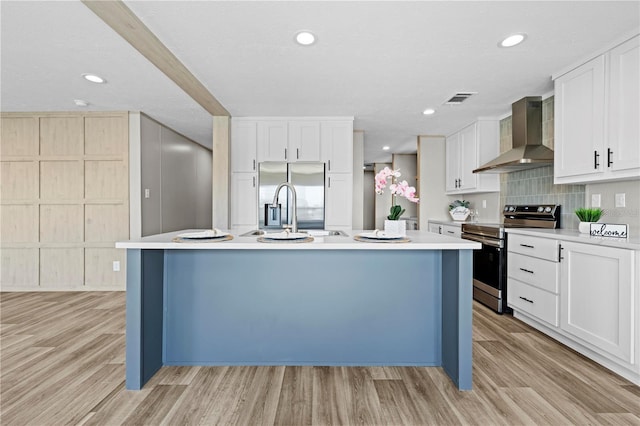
column 106, row 136
column 19, row 223
column 62, row 135
column 99, row 271
column 62, row 267
column 61, row 223
column 61, row 180
column 19, row 180
column 65, row 192
column 103, row 223
column 19, row 136
column 107, row 180
column 19, row 268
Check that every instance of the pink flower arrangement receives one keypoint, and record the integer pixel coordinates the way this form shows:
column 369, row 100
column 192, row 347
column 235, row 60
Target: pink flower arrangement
column 401, row 189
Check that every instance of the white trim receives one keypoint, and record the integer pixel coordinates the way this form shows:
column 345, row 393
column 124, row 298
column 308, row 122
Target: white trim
column 300, row 118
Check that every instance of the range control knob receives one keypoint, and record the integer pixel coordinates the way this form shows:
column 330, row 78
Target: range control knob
column 540, row 209
column 506, row 208
column 512, row 209
column 547, row 209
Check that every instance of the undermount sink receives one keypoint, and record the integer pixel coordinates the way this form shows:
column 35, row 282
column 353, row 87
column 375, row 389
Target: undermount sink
column 311, row 232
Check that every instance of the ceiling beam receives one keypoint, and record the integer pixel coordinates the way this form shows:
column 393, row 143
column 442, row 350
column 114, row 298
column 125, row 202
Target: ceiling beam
column 123, row 21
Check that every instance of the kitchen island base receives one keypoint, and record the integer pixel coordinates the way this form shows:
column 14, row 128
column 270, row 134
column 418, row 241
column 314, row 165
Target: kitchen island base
column 298, row 307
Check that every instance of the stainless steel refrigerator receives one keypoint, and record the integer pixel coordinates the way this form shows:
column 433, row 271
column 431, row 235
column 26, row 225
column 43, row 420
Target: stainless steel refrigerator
column 308, row 180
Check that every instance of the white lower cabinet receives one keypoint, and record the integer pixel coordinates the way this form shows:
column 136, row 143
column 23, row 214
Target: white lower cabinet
column 585, row 295
column 452, row 230
column 436, row 228
column 597, row 297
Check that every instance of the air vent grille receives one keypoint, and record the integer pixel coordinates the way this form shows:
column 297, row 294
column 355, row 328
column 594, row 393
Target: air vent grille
column 459, row 98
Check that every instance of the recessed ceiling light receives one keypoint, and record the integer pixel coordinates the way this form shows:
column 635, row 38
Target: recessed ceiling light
column 512, row 40
column 386, row 148
column 429, row 111
column 81, row 102
column 305, row 38
column 94, row 78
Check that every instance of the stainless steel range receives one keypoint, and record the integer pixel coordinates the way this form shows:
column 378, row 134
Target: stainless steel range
column 490, row 262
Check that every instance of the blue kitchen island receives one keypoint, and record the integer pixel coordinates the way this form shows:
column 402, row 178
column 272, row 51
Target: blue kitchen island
column 334, row 301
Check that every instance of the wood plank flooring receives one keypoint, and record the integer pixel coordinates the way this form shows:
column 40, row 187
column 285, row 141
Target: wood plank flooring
column 62, row 362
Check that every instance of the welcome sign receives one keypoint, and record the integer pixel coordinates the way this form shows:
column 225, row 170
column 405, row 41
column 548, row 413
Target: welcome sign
column 608, row 230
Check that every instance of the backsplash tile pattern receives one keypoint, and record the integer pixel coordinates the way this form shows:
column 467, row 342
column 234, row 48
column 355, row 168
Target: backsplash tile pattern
column 535, row 186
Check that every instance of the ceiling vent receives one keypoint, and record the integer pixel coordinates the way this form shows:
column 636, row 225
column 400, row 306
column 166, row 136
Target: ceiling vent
column 459, row 98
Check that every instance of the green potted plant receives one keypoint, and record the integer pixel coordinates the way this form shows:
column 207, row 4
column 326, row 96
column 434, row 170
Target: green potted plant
column 587, row 216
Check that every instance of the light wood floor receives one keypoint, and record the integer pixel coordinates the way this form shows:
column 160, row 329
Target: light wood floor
column 62, row 362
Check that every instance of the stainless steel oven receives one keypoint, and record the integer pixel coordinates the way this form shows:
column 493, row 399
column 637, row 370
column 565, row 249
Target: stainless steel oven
column 490, row 262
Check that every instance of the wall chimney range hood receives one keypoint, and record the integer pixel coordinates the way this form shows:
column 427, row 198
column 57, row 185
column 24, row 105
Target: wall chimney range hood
column 528, row 151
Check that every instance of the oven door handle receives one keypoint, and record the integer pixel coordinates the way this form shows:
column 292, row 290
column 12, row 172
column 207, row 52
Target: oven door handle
column 483, row 240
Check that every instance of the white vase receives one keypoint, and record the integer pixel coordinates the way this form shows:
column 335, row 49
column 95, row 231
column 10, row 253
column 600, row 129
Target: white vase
column 395, row 226
column 585, row 227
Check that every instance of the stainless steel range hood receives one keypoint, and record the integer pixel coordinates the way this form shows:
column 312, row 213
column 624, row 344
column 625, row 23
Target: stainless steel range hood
column 528, row 151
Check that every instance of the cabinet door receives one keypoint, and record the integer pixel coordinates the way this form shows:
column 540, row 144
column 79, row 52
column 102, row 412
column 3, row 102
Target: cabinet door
column 452, row 162
column 597, row 297
column 339, row 200
column 304, row 141
column 337, row 146
column 435, row 228
column 244, row 200
column 243, row 146
column 468, row 158
column 579, row 121
column 272, row 141
column 624, row 106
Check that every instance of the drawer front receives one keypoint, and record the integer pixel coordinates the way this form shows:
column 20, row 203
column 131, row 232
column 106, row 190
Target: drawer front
column 542, row 248
column 537, row 272
column 451, row 231
column 532, row 300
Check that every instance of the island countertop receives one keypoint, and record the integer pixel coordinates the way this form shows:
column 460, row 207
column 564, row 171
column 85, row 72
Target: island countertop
column 419, row 240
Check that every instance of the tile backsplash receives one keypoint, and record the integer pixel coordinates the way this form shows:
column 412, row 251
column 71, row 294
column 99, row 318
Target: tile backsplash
column 535, row 186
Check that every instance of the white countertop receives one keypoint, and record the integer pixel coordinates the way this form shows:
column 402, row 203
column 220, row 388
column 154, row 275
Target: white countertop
column 631, row 243
column 420, row 240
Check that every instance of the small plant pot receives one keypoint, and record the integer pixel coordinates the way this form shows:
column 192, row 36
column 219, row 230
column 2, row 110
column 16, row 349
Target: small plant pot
column 395, row 226
column 585, row 227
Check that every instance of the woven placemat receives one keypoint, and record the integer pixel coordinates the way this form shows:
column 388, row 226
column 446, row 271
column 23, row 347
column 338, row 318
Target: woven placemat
column 202, row 240
column 298, row 240
column 371, row 240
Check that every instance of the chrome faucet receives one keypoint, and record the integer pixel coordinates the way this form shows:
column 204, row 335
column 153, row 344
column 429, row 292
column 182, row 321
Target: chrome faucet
column 294, row 216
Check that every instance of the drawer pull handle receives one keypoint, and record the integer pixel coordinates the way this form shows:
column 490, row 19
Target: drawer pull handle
column 526, row 245
column 525, row 299
column 450, row 232
column 526, row 270
column 596, row 162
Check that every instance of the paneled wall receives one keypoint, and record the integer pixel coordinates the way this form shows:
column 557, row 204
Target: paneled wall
column 64, row 200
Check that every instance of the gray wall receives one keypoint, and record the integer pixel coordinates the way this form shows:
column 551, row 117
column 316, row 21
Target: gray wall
column 433, row 200
column 369, row 209
column 177, row 173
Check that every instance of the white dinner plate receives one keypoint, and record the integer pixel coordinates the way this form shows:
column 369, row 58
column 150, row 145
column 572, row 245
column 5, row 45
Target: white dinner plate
column 285, row 236
column 381, row 235
column 208, row 234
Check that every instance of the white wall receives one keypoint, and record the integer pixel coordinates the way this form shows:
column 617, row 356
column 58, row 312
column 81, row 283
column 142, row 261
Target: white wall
column 433, row 201
column 358, row 180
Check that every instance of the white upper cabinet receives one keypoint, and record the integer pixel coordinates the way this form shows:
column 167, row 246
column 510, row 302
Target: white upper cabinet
column 304, row 141
column 597, row 130
column 243, row 146
column 337, row 145
column 273, row 140
column 465, row 151
column 624, row 107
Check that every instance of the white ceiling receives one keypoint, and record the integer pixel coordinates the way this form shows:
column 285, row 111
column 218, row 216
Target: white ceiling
column 381, row 62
